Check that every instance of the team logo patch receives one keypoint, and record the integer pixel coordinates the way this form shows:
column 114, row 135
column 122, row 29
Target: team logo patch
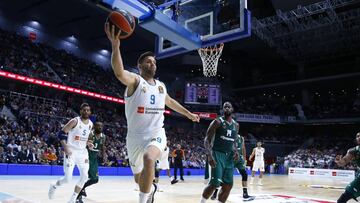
column 77, row 137
column 143, row 89
column 161, row 90
column 276, row 198
column 141, row 109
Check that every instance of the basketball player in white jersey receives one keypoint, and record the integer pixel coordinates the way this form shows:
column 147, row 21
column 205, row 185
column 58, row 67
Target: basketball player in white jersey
column 74, row 139
column 259, row 163
column 145, row 100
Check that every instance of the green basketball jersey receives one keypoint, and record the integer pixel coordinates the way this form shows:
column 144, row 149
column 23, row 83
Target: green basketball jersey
column 225, row 136
column 355, row 151
column 239, row 145
column 98, row 144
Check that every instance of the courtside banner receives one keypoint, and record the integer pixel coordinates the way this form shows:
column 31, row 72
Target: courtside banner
column 326, row 173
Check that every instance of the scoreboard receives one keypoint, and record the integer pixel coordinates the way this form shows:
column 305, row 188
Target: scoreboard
column 202, row 93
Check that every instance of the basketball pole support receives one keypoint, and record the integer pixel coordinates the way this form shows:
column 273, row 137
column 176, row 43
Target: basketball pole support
column 153, row 20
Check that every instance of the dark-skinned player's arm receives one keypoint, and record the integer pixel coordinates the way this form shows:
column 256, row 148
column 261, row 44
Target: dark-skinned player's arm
column 208, row 142
column 174, row 105
column 127, row 78
column 90, row 142
column 62, row 135
column 235, row 149
column 343, row 161
column 103, row 149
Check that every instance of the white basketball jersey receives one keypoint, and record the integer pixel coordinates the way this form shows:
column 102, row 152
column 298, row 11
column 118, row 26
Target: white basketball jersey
column 144, row 109
column 78, row 136
column 259, row 154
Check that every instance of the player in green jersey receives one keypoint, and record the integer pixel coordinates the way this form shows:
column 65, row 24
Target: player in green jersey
column 220, row 143
column 352, row 191
column 98, row 140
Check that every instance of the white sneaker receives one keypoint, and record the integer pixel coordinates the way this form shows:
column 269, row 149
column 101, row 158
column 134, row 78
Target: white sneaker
column 51, row 192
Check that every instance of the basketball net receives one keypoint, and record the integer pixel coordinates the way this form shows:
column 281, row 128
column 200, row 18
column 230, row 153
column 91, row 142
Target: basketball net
column 210, row 56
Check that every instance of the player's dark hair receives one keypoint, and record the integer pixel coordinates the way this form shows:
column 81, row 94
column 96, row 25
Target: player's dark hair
column 143, row 56
column 83, row 105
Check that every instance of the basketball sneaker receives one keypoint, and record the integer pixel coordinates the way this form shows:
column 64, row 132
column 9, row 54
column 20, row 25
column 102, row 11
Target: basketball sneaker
column 51, row 192
column 152, row 194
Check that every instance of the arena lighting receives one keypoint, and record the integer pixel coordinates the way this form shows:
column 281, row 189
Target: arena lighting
column 60, row 87
column 35, row 81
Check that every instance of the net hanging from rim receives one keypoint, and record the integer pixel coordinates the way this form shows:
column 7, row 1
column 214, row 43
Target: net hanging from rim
column 210, row 57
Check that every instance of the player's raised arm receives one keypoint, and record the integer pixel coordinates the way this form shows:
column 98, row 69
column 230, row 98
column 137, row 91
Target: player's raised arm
column 210, row 134
column 174, row 105
column 125, row 77
column 343, row 161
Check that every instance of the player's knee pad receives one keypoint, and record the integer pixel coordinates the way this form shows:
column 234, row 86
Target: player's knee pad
column 93, row 181
column 244, row 175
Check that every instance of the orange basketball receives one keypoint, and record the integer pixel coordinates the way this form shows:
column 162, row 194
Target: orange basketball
column 122, row 20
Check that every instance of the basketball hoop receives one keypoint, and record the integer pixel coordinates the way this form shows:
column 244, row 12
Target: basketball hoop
column 210, row 56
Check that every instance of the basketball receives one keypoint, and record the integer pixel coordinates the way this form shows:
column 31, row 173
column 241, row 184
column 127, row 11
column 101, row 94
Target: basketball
column 122, row 20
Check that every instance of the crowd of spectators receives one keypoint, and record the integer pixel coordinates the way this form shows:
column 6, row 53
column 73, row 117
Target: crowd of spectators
column 321, row 151
column 20, row 55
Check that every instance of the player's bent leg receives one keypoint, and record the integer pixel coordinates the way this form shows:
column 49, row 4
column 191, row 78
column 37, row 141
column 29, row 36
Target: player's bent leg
column 345, row 197
column 147, row 175
column 224, row 192
column 208, row 191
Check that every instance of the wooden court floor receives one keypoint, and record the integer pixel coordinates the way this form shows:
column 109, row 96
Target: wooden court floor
column 122, row 189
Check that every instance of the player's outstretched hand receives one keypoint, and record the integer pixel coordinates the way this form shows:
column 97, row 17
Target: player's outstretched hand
column 112, row 36
column 194, row 117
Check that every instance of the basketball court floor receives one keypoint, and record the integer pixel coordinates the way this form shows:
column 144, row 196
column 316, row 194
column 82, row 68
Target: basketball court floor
column 276, row 188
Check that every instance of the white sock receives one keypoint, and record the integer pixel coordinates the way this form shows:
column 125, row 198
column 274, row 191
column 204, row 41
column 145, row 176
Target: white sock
column 203, row 200
column 143, row 197
column 73, row 197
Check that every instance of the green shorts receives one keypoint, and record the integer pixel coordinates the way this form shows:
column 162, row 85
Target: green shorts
column 224, row 171
column 354, row 187
column 93, row 168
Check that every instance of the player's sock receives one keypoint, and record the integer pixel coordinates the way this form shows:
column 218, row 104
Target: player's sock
column 73, row 197
column 143, row 197
column 245, row 191
column 251, row 180
column 203, row 200
column 260, row 181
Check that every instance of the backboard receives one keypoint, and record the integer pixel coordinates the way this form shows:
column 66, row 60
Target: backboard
column 215, row 21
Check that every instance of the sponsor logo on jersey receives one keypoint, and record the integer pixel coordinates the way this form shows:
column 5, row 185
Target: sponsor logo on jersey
column 143, row 89
column 77, row 137
column 333, row 173
column 141, row 109
column 161, row 90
